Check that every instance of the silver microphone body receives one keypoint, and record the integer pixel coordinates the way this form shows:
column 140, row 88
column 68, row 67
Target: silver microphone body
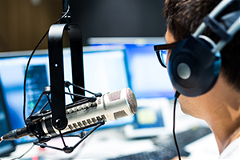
column 109, row 107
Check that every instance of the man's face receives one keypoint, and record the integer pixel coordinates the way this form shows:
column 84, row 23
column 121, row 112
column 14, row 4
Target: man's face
column 189, row 105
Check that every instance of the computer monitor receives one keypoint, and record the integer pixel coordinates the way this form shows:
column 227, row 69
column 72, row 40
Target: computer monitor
column 104, row 71
column 152, row 119
column 6, row 147
column 12, row 69
column 148, row 79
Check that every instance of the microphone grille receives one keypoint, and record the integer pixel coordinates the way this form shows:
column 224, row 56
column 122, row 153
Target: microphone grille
column 114, row 96
column 131, row 100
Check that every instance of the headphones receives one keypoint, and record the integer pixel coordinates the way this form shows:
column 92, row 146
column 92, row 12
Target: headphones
column 195, row 62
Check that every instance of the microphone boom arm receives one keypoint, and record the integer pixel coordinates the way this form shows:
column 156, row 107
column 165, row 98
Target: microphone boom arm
column 55, row 48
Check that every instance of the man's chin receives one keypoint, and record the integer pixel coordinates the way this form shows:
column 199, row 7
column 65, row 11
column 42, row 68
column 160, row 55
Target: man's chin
column 188, row 111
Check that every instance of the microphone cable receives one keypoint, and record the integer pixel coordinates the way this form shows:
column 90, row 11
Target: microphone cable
column 25, row 75
column 28, row 63
column 24, row 153
column 177, row 94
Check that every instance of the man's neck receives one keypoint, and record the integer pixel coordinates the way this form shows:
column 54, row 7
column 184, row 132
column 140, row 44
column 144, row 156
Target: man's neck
column 224, row 118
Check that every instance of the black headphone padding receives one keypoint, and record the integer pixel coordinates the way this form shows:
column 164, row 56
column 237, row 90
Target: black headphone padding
column 192, row 67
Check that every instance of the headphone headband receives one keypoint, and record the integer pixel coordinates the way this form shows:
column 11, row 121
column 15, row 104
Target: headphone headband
column 210, row 21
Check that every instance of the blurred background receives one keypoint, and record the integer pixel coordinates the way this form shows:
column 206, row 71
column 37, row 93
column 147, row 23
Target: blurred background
column 24, row 22
column 118, row 38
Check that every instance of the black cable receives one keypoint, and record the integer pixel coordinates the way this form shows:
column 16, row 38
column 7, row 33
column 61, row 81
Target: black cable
column 24, row 153
column 177, row 94
column 28, row 63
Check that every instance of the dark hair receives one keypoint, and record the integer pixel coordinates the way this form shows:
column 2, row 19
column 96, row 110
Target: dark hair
column 184, row 17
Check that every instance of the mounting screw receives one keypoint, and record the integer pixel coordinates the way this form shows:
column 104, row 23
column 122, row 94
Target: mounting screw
column 58, row 123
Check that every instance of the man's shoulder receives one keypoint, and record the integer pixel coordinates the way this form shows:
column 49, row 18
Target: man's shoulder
column 232, row 151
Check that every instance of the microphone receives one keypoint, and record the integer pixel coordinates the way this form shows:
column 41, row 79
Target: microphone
column 108, row 107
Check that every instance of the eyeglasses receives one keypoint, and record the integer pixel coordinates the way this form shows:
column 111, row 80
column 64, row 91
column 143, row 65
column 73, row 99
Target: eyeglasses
column 162, row 50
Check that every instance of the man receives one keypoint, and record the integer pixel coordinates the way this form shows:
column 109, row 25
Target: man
column 219, row 107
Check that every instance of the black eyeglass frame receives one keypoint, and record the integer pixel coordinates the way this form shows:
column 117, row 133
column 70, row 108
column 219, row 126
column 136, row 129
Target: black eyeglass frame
column 157, row 48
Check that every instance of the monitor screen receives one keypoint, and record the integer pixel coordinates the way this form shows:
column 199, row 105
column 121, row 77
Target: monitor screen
column 6, row 147
column 12, row 69
column 104, row 71
column 148, row 79
column 152, row 119
column 149, row 82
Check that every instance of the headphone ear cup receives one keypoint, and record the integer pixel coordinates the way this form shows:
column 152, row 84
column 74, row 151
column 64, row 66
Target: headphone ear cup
column 192, row 68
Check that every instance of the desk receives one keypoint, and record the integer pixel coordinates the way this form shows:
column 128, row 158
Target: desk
column 110, row 143
column 102, row 144
column 204, row 148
